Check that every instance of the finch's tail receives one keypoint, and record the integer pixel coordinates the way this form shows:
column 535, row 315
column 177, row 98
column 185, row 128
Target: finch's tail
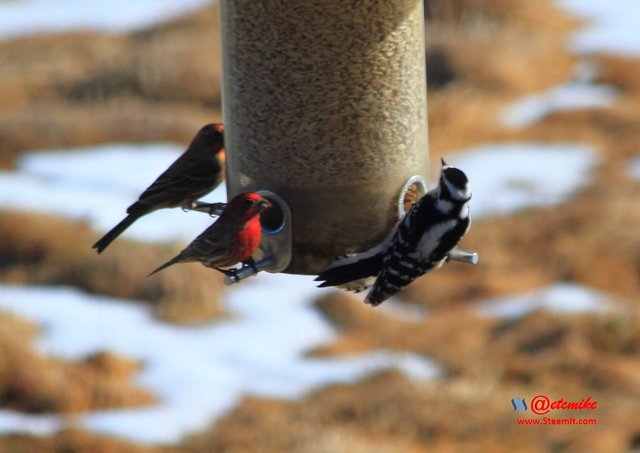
column 134, row 214
column 114, row 233
column 171, row 262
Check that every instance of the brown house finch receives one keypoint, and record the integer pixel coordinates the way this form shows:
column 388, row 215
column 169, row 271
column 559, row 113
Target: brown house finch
column 198, row 171
column 232, row 239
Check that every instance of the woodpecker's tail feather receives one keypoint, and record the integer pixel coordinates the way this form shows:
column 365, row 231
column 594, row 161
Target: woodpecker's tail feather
column 351, row 271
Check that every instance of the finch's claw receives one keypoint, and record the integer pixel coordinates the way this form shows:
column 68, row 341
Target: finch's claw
column 226, row 272
column 232, row 275
column 215, row 209
column 248, row 269
column 251, row 264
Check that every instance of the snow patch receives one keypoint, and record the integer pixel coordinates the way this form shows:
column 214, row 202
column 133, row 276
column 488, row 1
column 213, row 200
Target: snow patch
column 566, row 298
column 570, row 96
column 612, row 27
column 97, row 184
column 634, row 168
column 197, row 373
column 506, row 178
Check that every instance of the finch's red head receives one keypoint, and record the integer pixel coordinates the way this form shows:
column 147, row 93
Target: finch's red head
column 247, row 205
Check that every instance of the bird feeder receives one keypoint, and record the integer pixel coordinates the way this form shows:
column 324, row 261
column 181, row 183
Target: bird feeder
column 324, row 105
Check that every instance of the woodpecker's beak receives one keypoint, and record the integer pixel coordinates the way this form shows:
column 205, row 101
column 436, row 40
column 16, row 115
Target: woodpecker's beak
column 444, row 164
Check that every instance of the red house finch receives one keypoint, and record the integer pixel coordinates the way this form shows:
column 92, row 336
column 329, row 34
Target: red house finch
column 232, row 239
column 198, row 171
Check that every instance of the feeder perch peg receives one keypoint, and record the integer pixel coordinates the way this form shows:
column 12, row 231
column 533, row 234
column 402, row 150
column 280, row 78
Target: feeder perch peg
column 248, row 270
column 213, row 209
column 275, row 250
column 463, row 256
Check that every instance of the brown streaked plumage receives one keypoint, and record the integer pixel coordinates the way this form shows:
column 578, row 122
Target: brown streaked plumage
column 198, row 171
column 232, row 239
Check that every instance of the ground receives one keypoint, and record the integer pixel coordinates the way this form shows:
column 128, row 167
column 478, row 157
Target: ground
column 162, row 83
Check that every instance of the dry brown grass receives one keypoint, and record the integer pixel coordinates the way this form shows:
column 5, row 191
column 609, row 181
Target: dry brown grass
column 87, row 88
column 61, row 124
column 99, row 382
column 157, row 85
column 498, row 51
column 486, row 363
column 387, row 412
column 50, row 250
column 74, row 441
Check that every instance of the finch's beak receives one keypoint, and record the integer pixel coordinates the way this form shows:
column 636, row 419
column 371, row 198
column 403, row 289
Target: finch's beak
column 264, row 204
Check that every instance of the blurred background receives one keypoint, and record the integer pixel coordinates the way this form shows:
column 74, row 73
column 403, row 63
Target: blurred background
column 538, row 102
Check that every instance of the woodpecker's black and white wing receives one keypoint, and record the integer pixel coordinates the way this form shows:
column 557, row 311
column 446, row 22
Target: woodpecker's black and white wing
column 419, row 243
column 423, row 239
column 400, row 262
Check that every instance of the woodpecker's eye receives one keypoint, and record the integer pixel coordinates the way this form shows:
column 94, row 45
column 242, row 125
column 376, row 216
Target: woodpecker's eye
column 248, row 202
